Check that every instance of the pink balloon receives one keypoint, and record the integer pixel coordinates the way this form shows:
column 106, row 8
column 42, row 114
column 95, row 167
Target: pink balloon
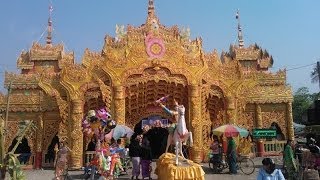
column 102, row 113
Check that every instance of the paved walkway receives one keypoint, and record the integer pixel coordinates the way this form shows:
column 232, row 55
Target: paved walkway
column 48, row 174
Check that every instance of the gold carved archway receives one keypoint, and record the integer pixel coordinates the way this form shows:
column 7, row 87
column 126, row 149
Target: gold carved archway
column 142, row 90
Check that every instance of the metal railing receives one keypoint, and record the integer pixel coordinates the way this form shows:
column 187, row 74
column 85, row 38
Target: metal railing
column 88, row 156
column 274, row 146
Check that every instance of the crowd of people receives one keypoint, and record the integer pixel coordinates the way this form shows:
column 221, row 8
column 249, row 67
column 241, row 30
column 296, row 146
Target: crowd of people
column 289, row 170
column 151, row 143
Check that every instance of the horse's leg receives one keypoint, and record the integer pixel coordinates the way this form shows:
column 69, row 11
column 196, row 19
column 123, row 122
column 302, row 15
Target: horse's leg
column 180, row 149
column 191, row 139
column 177, row 152
column 169, row 142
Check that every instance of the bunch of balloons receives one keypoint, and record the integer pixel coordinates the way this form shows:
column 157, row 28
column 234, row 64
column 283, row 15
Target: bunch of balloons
column 97, row 123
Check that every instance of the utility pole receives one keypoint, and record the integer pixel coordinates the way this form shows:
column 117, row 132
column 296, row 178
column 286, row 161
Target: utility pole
column 318, row 71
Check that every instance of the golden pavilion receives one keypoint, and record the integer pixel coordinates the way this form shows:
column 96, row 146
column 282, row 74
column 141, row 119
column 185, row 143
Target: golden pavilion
column 132, row 70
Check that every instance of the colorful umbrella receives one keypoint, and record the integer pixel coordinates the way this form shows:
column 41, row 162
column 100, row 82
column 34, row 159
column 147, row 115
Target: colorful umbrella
column 120, row 131
column 229, row 130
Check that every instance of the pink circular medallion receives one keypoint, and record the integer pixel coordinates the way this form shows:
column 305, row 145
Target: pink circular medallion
column 154, row 47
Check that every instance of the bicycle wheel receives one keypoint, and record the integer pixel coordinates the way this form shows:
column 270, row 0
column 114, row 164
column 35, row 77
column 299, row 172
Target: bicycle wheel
column 246, row 165
column 216, row 167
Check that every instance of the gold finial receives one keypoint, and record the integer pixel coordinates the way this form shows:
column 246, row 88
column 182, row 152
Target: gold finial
column 151, row 8
column 49, row 28
column 240, row 36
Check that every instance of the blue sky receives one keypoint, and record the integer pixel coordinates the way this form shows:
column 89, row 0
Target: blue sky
column 288, row 29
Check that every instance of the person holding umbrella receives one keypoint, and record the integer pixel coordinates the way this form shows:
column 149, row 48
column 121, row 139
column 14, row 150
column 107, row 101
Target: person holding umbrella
column 232, row 156
column 230, row 131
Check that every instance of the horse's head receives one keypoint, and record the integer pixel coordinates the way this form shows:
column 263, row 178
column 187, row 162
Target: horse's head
column 180, row 109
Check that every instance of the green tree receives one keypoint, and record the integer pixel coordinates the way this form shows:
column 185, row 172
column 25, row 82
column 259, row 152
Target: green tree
column 301, row 102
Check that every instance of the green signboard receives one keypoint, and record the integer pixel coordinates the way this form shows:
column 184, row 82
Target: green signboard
column 264, row 133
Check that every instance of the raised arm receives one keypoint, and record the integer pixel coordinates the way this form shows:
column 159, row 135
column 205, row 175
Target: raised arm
column 167, row 110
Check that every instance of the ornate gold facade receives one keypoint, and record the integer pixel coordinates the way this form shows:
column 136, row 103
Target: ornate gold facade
column 134, row 69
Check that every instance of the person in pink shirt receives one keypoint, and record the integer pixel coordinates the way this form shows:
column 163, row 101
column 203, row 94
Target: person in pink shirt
column 215, row 150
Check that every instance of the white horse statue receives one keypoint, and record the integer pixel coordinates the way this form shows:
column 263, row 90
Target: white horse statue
column 178, row 132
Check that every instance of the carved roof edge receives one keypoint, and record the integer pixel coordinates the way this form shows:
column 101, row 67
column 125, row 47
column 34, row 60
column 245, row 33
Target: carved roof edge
column 274, row 99
column 23, row 61
column 91, row 58
column 28, row 81
column 67, row 58
column 251, row 53
column 47, row 47
column 21, row 108
column 138, row 34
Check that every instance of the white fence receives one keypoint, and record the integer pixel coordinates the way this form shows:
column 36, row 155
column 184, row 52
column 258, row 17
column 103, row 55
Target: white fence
column 273, row 147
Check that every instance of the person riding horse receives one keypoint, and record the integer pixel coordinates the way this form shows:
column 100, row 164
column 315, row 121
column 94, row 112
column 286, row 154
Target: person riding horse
column 177, row 131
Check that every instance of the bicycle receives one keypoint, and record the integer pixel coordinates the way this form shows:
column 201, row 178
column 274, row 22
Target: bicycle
column 244, row 164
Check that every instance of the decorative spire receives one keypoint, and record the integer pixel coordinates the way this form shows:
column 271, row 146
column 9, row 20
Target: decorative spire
column 49, row 28
column 150, row 8
column 240, row 36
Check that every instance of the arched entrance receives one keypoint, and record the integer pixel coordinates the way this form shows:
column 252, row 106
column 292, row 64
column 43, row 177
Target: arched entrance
column 50, row 155
column 141, row 97
column 23, row 150
column 213, row 113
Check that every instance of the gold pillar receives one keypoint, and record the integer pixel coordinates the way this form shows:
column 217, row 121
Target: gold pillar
column 39, row 133
column 76, row 135
column 290, row 130
column 195, row 116
column 119, row 104
column 258, row 116
column 260, row 143
column 39, row 141
column 231, row 112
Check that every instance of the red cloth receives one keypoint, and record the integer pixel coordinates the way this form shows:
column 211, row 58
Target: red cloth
column 94, row 161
